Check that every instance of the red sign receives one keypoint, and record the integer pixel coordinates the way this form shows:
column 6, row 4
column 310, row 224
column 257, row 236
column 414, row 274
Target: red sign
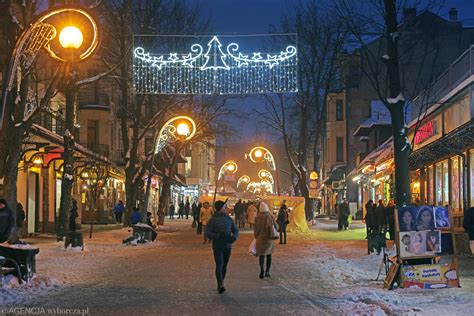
column 425, row 132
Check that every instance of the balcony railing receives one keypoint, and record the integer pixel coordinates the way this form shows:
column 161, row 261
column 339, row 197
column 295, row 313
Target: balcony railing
column 90, row 98
column 53, row 122
column 458, row 71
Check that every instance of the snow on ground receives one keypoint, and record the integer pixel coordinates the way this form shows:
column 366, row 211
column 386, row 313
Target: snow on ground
column 175, row 276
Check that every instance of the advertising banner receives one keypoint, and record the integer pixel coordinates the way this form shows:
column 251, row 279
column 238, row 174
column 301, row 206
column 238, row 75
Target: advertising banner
column 430, row 276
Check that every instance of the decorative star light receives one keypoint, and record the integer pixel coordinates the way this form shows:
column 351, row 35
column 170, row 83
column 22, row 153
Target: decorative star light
column 216, row 69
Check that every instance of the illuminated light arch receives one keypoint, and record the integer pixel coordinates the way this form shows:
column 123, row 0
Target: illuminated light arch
column 226, row 168
column 266, row 157
column 243, row 179
column 169, row 131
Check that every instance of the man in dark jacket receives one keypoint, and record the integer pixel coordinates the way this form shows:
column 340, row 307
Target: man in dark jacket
column 222, row 230
column 380, row 220
column 7, row 221
column 469, row 226
column 238, row 209
column 345, row 212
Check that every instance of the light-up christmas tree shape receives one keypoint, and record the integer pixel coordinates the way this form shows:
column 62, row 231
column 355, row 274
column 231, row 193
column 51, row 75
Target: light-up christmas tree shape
column 216, row 59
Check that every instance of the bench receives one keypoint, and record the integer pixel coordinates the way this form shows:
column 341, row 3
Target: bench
column 142, row 233
column 19, row 259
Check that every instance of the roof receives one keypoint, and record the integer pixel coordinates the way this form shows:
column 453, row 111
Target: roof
column 380, row 117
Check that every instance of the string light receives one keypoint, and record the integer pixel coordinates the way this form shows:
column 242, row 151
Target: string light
column 217, row 70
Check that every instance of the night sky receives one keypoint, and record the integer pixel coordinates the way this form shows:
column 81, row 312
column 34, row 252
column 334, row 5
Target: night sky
column 256, row 16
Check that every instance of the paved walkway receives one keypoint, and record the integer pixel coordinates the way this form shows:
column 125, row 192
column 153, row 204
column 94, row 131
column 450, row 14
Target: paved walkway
column 175, row 276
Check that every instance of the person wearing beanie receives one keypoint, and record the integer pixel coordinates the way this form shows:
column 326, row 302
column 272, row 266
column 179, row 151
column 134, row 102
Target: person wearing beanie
column 263, row 233
column 7, row 221
column 222, row 230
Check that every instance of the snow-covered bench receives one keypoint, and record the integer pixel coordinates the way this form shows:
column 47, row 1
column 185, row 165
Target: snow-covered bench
column 142, row 233
column 20, row 259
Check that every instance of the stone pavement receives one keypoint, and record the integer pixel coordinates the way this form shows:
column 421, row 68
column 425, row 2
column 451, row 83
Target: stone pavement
column 175, row 276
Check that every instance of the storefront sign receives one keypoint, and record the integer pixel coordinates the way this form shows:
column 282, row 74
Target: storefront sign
column 430, row 276
column 425, row 132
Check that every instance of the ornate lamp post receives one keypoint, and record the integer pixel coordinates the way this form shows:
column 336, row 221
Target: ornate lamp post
column 259, row 155
column 179, row 128
column 229, row 167
column 243, row 179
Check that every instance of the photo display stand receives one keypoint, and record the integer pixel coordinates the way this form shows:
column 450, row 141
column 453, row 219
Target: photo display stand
column 426, row 252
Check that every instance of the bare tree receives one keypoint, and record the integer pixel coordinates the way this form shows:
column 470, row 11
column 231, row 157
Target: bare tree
column 141, row 114
column 300, row 119
column 398, row 63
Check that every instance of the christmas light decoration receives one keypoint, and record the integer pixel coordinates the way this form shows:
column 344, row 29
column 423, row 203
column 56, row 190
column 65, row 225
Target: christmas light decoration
column 215, row 70
column 229, row 167
column 177, row 128
column 243, row 179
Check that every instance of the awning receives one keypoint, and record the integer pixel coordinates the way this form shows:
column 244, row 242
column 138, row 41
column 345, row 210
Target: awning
column 452, row 144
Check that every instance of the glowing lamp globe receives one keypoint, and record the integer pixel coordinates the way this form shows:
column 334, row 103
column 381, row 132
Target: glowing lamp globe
column 231, row 167
column 258, row 153
column 183, row 129
column 71, row 37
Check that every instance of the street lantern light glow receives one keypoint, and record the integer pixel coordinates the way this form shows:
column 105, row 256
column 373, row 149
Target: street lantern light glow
column 231, row 167
column 183, row 129
column 71, row 37
column 258, row 153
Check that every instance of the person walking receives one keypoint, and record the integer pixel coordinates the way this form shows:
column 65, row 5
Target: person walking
column 20, row 218
column 469, row 226
column 345, row 213
column 263, row 233
column 380, row 220
column 181, row 210
column 251, row 214
column 73, row 216
column 206, row 214
column 187, row 208
column 390, row 219
column 7, row 221
column 222, row 230
column 194, row 208
column 370, row 218
column 171, row 211
column 118, row 211
column 198, row 219
column 238, row 213
column 283, row 220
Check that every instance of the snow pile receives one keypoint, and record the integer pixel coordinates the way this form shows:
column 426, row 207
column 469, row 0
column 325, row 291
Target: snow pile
column 13, row 292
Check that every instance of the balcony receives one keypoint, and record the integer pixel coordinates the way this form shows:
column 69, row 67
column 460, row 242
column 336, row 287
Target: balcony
column 90, row 99
column 54, row 122
column 100, row 149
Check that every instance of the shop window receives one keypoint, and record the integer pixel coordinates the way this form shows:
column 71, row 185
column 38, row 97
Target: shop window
column 445, row 183
column 455, row 184
column 439, row 184
column 430, row 186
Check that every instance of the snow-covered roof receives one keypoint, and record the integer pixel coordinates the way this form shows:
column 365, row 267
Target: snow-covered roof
column 379, row 116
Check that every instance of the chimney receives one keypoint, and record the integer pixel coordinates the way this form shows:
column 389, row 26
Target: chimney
column 409, row 14
column 453, row 14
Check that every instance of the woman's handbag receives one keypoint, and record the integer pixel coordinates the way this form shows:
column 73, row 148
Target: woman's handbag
column 274, row 234
column 253, row 247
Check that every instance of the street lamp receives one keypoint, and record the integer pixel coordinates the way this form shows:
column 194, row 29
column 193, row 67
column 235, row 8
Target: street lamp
column 71, row 37
column 266, row 176
column 259, row 155
column 243, row 179
column 179, row 128
column 229, row 167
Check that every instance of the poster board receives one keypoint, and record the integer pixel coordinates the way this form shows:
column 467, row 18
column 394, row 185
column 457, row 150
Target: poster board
column 427, row 225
